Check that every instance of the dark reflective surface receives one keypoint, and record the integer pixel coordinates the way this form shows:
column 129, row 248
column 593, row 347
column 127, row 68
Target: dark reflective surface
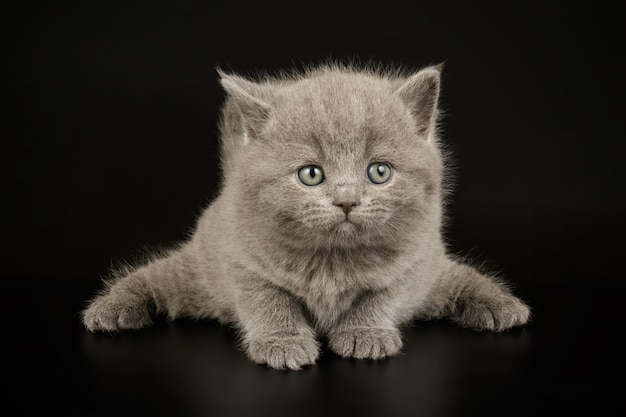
column 557, row 364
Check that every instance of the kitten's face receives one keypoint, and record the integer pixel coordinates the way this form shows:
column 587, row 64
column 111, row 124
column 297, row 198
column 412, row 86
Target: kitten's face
column 340, row 163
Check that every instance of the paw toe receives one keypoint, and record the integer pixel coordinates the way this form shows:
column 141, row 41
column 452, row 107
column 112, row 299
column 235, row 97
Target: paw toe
column 366, row 343
column 109, row 315
column 496, row 314
column 284, row 352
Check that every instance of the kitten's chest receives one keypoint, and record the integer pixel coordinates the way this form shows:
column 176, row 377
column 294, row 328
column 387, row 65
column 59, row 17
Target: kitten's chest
column 328, row 298
column 328, row 279
column 329, row 283
column 329, row 287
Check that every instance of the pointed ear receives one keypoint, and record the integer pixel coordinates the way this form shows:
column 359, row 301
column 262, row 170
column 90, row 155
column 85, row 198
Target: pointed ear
column 420, row 93
column 247, row 96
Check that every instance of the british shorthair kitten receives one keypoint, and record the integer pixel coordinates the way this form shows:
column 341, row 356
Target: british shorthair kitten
column 327, row 226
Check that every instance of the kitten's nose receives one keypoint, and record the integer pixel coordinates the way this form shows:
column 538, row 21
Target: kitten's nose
column 346, row 205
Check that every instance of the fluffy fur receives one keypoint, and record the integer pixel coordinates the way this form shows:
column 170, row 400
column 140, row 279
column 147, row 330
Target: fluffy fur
column 347, row 261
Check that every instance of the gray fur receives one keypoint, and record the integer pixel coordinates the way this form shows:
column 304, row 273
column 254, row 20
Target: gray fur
column 276, row 259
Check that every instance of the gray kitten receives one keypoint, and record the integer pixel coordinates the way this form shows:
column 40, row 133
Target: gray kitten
column 328, row 225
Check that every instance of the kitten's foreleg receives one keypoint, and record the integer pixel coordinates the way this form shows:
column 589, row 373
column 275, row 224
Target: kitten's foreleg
column 367, row 330
column 274, row 328
column 474, row 300
column 128, row 301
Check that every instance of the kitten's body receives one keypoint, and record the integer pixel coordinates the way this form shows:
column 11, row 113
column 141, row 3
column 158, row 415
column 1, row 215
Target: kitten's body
column 347, row 259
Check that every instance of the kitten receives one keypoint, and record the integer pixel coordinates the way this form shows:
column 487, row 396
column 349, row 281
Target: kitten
column 328, row 225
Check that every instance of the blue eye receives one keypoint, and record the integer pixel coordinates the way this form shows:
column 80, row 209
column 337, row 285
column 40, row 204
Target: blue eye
column 379, row 173
column 311, row 175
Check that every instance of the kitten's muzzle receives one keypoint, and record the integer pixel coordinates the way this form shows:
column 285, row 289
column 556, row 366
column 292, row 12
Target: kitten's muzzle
column 346, row 197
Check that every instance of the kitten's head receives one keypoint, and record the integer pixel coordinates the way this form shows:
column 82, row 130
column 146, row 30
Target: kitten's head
column 336, row 158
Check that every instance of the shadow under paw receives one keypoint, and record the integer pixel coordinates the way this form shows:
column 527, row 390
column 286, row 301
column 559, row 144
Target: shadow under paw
column 366, row 343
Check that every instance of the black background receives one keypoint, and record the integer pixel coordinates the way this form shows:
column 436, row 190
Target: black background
column 110, row 147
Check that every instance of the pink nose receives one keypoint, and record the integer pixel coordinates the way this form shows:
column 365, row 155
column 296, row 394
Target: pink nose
column 346, row 206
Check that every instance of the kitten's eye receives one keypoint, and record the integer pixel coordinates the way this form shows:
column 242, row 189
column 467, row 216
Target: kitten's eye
column 379, row 173
column 311, row 175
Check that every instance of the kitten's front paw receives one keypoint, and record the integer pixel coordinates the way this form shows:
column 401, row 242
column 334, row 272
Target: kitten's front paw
column 289, row 352
column 366, row 343
column 108, row 313
column 496, row 313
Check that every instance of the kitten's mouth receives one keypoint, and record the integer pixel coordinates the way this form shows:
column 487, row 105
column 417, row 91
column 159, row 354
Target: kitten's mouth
column 346, row 223
column 346, row 220
column 346, row 226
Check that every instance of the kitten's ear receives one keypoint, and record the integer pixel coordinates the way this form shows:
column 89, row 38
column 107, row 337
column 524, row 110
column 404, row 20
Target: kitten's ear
column 420, row 93
column 247, row 95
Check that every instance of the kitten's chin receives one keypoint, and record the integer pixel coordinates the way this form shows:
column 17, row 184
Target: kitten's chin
column 346, row 225
column 347, row 233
